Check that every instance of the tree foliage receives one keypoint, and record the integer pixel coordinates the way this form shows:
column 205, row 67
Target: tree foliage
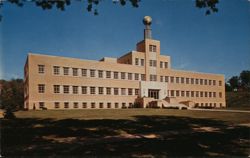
column 12, row 97
column 245, row 79
column 234, row 82
column 208, row 5
column 240, row 82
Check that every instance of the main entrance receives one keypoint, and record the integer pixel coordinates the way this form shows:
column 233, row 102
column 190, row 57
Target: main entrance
column 153, row 93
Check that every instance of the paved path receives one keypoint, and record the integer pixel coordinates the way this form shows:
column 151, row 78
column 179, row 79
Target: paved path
column 222, row 110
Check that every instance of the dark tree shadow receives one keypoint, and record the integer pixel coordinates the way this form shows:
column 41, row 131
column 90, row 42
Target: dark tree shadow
column 144, row 136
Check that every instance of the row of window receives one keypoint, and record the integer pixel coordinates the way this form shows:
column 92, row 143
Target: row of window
column 99, row 74
column 184, row 80
column 89, row 90
column 130, row 76
column 212, row 105
column 152, row 63
column 179, row 93
column 84, row 105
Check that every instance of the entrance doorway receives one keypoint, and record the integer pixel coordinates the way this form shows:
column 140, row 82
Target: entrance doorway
column 153, row 93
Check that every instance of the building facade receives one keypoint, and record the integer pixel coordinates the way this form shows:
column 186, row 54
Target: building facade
column 141, row 78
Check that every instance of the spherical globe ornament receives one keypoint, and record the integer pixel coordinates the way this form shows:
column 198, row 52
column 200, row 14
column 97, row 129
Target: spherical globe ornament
column 147, row 20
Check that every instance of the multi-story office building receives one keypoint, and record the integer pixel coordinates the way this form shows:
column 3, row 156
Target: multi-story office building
column 140, row 78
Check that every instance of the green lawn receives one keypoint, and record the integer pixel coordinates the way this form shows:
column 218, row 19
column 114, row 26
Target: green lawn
column 126, row 132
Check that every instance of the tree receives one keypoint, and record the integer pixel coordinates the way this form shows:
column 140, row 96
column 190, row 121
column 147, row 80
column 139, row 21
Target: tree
column 234, row 82
column 208, row 5
column 228, row 87
column 12, row 94
column 245, row 79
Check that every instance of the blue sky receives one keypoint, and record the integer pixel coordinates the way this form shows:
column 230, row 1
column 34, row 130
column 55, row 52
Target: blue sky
column 218, row 43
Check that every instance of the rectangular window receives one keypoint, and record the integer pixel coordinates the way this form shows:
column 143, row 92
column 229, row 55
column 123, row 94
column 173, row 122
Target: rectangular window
column 197, row 94
column 75, row 89
column 192, row 81
column 192, row 93
column 108, row 90
column 57, row 105
column 84, row 72
column 201, row 81
column 201, row 94
column 130, row 76
column 123, row 75
column 65, row 89
column 210, row 82
column 136, row 61
column 75, row 105
column 162, row 77
column 41, row 105
column 136, row 91
column 152, row 63
column 56, row 70
column 187, row 93
column 205, row 94
column 66, row 105
column 41, row 69
column 130, row 91
column 214, row 82
column 166, row 65
column 210, row 94
column 177, row 93
column 65, row 70
column 84, row 90
column 93, row 105
column 123, row 91
column 109, row 105
column 161, row 64
column 100, row 90
column 177, row 79
column 172, row 93
column 143, row 77
column 183, row 93
column 166, row 78
column 116, row 105
column 115, row 75
column 196, row 81
column 116, row 91
column 56, row 88
column 108, row 74
column 136, row 76
column 142, row 62
column 92, row 90
column 100, row 105
column 220, row 83
column 214, row 94
column 205, row 82
column 152, row 48
column 182, row 80
column 153, row 78
column 187, row 80
column 41, row 88
column 84, row 105
column 75, row 71
column 92, row 73
column 124, row 105
column 100, row 73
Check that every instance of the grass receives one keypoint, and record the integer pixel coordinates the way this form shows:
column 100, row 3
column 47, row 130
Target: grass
column 87, row 114
column 126, row 133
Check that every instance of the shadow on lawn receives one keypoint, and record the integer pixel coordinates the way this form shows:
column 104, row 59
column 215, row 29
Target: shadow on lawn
column 144, row 136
